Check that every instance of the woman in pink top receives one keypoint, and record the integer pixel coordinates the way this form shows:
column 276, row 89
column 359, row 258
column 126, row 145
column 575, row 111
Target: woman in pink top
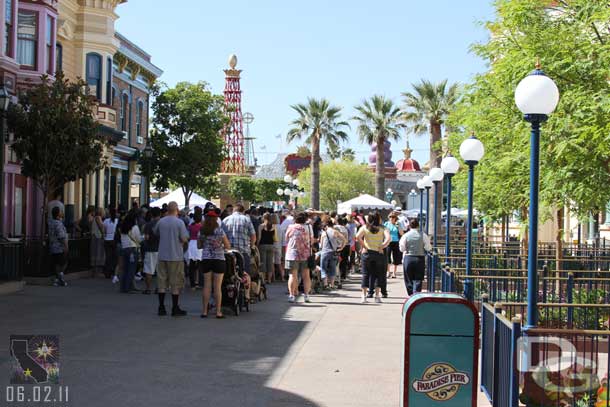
column 298, row 250
column 193, row 254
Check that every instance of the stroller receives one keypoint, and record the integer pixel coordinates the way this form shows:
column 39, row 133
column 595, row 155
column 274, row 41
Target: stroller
column 233, row 288
column 258, row 289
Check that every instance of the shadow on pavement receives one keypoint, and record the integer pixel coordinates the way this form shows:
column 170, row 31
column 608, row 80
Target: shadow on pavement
column 115, row 350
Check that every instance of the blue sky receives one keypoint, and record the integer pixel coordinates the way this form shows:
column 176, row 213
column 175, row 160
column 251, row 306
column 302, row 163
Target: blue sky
column 290, row 50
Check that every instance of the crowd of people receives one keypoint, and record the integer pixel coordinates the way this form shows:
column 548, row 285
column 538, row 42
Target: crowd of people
column 294, row 248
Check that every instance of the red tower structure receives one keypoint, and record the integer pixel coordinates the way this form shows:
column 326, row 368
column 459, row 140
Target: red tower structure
column 235, row 163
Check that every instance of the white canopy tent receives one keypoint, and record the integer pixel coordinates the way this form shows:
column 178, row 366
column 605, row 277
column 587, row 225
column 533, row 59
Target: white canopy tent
column 178, row 197
column 364, row 201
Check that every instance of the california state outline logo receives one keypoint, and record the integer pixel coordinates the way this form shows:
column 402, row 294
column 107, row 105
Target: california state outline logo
column 441, row 382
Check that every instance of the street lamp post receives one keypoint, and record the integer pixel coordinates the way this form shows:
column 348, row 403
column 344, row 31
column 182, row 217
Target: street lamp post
column 436, row 175
column 5, row 100
column 536, row 97
column 450, row 167
column 412, row 196
column 428, row 185
column 389, row 194
column 421, row 186
column 472, row 151
column 148, row 153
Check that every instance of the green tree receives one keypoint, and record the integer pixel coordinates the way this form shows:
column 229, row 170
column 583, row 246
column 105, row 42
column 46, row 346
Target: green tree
column 266, row 189
column 427, row 108
column 243, row 188
column 186, row 142
column 339, row 181
column 348, row 154
column 317, row 121
column 378, row 120
column 572, row 46
column 57, row 138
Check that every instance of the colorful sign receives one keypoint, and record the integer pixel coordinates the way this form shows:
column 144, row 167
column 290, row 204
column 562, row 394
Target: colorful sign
column 295, row 163
column 441, row 382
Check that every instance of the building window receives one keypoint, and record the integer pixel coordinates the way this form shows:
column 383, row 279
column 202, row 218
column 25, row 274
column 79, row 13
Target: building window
column 8, row 27
column 94, row 75
column 109, row 89
column 27, row 38
column 124, row 103
column 139, row 119
column 49, row 42
column 59, row 56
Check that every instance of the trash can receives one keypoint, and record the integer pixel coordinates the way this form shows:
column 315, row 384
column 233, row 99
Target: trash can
column 440, row 351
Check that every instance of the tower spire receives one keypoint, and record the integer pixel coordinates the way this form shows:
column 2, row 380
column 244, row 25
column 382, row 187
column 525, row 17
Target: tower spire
column 233, row 133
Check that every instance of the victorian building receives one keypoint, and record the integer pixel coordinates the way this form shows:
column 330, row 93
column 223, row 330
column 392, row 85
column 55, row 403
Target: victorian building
column 78, row 37
column 28, row 51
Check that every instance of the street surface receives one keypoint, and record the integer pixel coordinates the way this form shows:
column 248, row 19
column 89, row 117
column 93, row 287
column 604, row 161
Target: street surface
column 115, row 350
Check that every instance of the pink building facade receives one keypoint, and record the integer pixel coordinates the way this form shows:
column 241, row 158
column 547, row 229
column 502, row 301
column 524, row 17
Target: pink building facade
column 28, row 51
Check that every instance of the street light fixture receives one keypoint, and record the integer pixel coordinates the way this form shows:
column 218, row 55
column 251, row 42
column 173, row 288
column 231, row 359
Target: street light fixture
column 450, row 167
column 287, row 178
column 472, row 151
column 389, row 194
column 536, row 97
column 427, row 182
column 412, row 196
column 436, row 175
column 421, row 186
column 5, row 101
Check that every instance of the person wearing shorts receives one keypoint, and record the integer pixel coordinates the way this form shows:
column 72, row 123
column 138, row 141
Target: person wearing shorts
column 393, row 251
column 298, row 250
column 213, row 242
column 170, row 270
column 150, row 247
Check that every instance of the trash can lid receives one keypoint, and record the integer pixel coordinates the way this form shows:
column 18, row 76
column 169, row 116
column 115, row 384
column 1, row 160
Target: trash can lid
column 439, row 314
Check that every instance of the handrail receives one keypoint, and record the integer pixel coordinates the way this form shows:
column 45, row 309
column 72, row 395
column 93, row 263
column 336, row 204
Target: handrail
column 555, row 304
column 560, row 332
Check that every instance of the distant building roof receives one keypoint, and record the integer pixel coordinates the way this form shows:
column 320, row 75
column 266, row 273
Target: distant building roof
column 276, row 169
column 408, row 164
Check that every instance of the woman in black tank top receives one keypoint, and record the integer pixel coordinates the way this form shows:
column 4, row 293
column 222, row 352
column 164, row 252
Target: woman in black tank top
column 267, row 236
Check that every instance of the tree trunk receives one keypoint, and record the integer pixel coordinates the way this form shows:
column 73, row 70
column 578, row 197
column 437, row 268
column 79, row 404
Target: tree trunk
column 380, row 169
column 187, row 197
column 315, row 171
column 435, row 161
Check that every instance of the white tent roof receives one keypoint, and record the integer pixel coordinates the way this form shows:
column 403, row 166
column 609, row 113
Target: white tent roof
column 178, row 197
column 364, row 201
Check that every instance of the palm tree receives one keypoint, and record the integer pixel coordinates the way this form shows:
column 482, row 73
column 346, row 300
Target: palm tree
column 426, row 110
column 378, row 120
column 318, row 121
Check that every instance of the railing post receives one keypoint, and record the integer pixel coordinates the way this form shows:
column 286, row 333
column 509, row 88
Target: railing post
column 452, row 282
column 496, row 361
column 570, row 299
column 484, row 300
column 544, row 272
column 514, row 374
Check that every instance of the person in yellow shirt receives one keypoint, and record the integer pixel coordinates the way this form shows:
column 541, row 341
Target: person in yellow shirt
column 373, row 239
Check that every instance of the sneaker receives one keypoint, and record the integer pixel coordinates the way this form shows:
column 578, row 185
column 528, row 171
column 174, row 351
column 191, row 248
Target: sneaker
column 115, row 279
column 177, row 312
column 162, row 311
column 363, row 300
column 307, row 298
column 378, row 299
column 291, row 298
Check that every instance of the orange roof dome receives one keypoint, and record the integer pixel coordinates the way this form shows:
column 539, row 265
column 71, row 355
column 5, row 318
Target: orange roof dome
column 408, row 164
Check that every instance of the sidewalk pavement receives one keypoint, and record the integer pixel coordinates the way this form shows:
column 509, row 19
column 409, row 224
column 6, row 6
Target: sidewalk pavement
column 115, row 350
